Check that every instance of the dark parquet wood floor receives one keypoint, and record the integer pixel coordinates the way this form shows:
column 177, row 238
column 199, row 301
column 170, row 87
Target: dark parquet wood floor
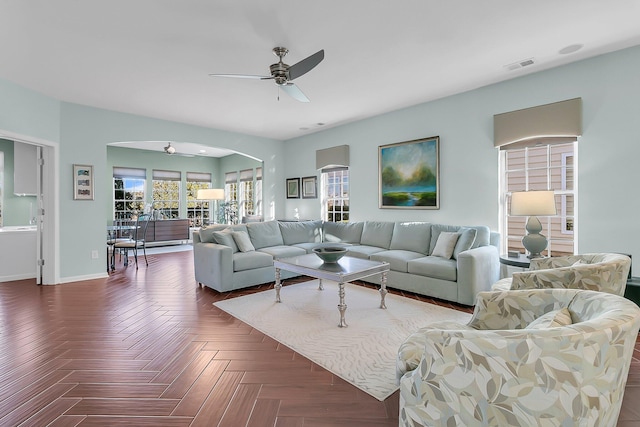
column 148, row 348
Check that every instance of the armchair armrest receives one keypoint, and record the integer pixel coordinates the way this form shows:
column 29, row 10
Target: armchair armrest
column 479, row 378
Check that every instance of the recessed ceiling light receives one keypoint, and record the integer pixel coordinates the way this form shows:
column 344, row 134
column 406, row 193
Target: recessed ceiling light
column 570, row 49
column 202, row 151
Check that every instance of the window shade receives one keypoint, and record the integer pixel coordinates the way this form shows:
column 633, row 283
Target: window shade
column 166, row 175
column 198, row 176
column 121, row 172
column 230, row 177
column 332, row 157
column 246, row 175
column 560, row 121
column 258, row 173
column 327, row 170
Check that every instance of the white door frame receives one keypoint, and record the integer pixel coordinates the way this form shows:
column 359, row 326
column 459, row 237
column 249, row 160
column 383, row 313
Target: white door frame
column 51, row 204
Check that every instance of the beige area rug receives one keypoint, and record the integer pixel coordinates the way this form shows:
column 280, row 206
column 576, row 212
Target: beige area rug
column 364, row 353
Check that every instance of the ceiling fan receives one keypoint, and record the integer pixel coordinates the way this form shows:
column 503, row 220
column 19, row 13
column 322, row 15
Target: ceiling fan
column 283, row 74
column 171, row 150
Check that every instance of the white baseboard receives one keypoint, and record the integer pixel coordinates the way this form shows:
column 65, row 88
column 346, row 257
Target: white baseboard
column 85, row 277
column 17, row 277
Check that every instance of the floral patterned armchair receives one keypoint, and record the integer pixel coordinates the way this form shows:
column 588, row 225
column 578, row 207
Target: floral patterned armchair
column 506, row 368
column 605, row 272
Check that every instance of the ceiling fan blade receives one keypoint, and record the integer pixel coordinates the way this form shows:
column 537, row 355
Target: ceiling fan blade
column 306, row 65
column 294, row 92
column 243, row 76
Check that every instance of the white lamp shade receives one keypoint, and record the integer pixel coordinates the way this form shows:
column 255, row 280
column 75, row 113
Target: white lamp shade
column 210, row 194
column 532, row 203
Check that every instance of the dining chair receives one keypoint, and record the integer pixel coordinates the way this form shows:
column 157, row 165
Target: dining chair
column 119, row 231
column 137, row 240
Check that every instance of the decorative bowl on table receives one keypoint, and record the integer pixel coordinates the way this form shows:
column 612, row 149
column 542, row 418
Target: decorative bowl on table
column 330, row 254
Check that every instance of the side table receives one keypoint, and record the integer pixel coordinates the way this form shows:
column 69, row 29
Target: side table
column 520, row 261
column 506, row 261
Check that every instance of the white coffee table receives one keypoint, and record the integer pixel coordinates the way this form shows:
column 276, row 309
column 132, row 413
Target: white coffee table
column 343, row 271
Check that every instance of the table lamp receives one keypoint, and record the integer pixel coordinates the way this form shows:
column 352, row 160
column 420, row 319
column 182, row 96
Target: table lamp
column 214, row 194
column 533, row 204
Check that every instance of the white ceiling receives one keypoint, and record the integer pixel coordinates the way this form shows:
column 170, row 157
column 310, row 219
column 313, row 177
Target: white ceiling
column 153, row 57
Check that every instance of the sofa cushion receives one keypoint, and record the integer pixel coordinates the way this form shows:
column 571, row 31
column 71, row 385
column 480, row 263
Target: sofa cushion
column 445, row 244
column 397, row 259
column 242, row 240
column 301, row 232
column 552, row 319
column 206, row 233
column 264, row 234
column 347, row 232
column 283, row 251
column 377, row 233
column 411, row 236
column 363, row 251
column 250, row 260
column 225, row 237
column 433, row 266
column 465, row 241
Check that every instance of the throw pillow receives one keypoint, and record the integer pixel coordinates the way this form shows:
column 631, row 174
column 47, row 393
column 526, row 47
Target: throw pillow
column 552, row 319
column 465, row 241
column 242, row 240
column 445, row 244
column 225, row 237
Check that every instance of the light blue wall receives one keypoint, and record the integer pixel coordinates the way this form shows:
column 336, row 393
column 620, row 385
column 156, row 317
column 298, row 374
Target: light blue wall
column 84, row 134
column 16, row 210
column 608, row 178
column 608, row 151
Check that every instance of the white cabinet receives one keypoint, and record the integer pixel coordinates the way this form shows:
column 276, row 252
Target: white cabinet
column 25, row 162
column 18, row 253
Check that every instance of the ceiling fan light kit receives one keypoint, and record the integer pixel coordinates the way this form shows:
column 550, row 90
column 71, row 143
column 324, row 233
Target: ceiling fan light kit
column 169, row 149
column 283, row 74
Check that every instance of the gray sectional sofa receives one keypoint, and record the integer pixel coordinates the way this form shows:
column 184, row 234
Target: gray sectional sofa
column 464, row 262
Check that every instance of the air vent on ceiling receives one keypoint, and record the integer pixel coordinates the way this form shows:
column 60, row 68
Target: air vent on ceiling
column 520, row 64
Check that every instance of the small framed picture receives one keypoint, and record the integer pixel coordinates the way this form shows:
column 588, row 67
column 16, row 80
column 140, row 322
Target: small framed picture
column 309, row 187
column 293, row 188
column 83, row 187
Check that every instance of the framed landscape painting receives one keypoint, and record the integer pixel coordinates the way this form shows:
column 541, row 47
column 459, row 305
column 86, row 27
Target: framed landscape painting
column 409, row 174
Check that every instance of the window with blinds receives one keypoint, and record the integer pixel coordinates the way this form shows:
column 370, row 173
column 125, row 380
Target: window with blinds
column 198, row 211
column 128, row 192
column 246, row 195
column 335, row 194
column 166, row 194
column 258, row 192
column 541, row 166
column 229, row 211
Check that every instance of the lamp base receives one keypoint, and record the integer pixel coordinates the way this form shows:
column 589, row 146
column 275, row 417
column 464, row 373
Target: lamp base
column 534, row 242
